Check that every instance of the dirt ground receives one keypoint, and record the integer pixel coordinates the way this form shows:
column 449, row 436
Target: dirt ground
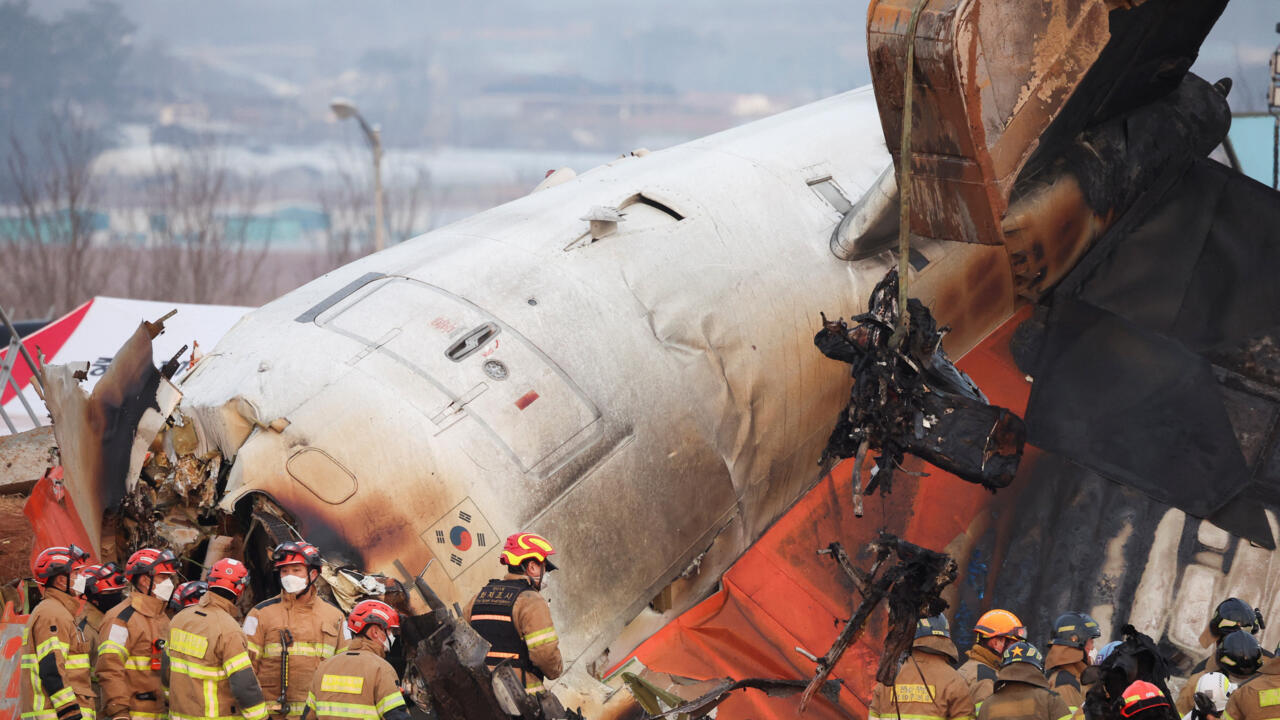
column 15, row 539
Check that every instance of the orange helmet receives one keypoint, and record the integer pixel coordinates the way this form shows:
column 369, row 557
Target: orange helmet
column 527, row 546
column 149, row 561
column 372, row 612
column 229, row 574
column 1140, row 696
column 103, row 579
column 57, row 560
column 1000, row 623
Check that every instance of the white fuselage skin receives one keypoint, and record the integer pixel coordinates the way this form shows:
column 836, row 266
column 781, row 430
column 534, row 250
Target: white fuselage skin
column 680, row 404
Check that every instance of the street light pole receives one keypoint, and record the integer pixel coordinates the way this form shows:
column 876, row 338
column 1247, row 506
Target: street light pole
column 343, row 109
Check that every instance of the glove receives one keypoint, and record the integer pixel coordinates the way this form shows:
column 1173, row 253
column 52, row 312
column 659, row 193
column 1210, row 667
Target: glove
column 1205, row 706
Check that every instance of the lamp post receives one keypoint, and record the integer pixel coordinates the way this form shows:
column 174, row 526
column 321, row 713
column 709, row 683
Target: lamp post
column 344, row 109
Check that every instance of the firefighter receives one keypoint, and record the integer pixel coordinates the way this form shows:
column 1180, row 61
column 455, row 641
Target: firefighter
column 927, row 687
column 1070, row 650
column 1211, row 694
column 55, row 683
column 359, row 682
column 186, row 595
column 292, row 632
column 132, row 640
column 994, row 631
column 104, row 588
column 1230, row 615
column 514, row 617
column 1021, row 689
column 1259, row 698
column 206, row 664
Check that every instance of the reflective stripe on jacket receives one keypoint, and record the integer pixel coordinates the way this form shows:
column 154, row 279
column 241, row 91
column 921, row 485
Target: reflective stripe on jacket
column 516, row 620
column 926, row 688
column 1257, row 698
column 54, row 674
column 209, row 673
column 315, row 628
column 129, row 657
column 356, row 683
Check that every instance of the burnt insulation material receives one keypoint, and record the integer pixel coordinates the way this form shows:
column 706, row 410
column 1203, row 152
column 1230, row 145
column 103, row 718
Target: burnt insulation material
column 1121, row 385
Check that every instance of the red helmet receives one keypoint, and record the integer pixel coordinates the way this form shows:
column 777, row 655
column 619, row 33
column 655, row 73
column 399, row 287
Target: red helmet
column 1142, row 695
column 100, row 579
column 58, row 560
column 229, row 574
column 296, row 553
column 527, row 546
column 372, row 612
column 149, row 561
column 188, row 594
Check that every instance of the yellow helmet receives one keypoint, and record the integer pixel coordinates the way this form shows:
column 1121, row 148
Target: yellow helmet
column 1000, row 623
column 527, row 546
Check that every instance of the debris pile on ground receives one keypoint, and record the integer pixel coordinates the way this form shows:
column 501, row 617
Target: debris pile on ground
column 913, row 399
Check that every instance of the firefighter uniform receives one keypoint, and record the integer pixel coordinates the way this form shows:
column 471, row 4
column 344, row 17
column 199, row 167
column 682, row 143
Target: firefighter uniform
column 979, row 672
column 1257, row 698
column 1022, row 693
column 926, row 688
column 357, row 683
column 1187, row 696
column 88, row 622
column 129, row 659
column 314, row 629
column 55, row 680
column 1064, row 665
column 208, row 671
column 516, row 620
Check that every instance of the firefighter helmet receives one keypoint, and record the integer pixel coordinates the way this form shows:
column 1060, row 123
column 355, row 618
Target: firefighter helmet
column 188, row 594
column 101, row 579
column 1074, row 629
column 229, row 574
column 527, row 546
column 57, row 560
column 1000, row 623
column 296, row 552
column 149, row 561
column 372, row 612
column 933, row 626
column 1234, row 614
column 1239, row 653
column 1141, row 695
column 1023, row 652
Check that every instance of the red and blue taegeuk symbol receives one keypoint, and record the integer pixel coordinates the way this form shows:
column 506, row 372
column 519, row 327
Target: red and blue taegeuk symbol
column 460, row 537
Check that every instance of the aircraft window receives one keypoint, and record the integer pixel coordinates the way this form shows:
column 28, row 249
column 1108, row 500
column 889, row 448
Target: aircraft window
column 918, row 260
column 827, row 189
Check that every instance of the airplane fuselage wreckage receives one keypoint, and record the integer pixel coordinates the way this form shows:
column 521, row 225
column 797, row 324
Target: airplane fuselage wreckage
column 624, row 360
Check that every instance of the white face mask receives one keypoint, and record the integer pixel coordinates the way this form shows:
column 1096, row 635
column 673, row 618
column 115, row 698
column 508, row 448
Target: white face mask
column 77, row 584
column 163, row 590
column 544, row 582
column 293, row 584
column 388, row 642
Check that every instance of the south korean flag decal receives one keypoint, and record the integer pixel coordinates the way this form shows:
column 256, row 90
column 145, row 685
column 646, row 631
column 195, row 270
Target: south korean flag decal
column 461, row 537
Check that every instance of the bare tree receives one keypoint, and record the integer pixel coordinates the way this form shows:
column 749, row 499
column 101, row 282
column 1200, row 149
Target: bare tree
column 46, row 235
column 209, row 242
column 347, row 202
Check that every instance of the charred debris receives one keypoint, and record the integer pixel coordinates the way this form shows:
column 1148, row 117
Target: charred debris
column 912, row 399
column 907, row 578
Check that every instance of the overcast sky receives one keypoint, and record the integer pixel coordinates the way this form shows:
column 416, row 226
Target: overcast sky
column 341, row 31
